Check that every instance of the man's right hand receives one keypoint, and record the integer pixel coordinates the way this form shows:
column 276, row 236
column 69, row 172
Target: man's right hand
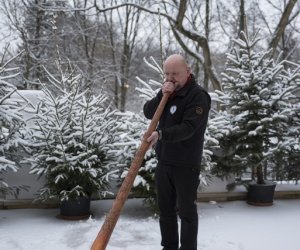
column 152, row 139
column 168, row 87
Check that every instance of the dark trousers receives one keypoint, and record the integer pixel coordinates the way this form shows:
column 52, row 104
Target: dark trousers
column 176, row 193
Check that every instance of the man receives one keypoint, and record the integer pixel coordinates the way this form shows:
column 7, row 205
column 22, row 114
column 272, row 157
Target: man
column 179, row 144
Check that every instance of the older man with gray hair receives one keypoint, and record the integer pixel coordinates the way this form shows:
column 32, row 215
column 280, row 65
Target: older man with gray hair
column 178, row 142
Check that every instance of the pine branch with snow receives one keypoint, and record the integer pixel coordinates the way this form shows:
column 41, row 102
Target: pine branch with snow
column 131, row 129
column 72, row 137
column 256, row 101
column 11, row 124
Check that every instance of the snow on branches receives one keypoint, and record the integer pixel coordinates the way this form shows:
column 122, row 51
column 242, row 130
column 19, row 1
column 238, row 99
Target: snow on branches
column 71, row 138
column 11, row 122
column 258, row 100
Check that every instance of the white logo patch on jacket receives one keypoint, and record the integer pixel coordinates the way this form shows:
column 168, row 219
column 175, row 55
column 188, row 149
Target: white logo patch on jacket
column 173, row 109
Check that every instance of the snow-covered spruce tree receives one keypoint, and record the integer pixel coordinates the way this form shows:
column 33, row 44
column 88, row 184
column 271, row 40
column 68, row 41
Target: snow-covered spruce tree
column 255, row 102
column 131, row 129
column 286, row 154
column 71, row 137
column 11, row 122
column 292, row 170
column 130, row 133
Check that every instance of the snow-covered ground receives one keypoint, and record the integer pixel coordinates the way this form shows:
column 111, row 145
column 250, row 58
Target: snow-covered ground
column 222, row 226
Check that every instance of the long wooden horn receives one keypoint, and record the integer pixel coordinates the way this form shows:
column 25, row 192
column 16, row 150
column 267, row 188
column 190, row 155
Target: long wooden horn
column 105, row 232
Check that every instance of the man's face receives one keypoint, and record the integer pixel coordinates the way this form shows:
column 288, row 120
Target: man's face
column 176, row 72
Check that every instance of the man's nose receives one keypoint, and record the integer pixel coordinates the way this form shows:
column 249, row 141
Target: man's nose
column 170, row 78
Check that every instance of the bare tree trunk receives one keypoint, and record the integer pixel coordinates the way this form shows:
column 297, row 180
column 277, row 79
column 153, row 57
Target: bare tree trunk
column 284, row 20
column 243, row 20
column 89, row 44
column 125, row 62
column 207, row 21
column 129, row 26
column 116, row 84
column 177, row 25
column 37, row 37
column 197, row 66
column 284, row 48
column 201, row 41
column 130, row 33
column 109, row 24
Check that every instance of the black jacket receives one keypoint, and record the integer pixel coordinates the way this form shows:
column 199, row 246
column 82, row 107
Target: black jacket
column 182, row 125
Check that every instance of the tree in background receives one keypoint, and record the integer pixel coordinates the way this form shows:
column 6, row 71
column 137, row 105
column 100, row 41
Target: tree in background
column 46, row 28
column 11, row 124
column 107, row 39
column 124, row 27
column 256, row 104
column 286, row 154
column 70, row 141
column 103, row 46
column 35, row 27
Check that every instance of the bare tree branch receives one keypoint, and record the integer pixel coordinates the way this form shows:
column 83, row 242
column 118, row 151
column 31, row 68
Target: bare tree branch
column 183, row 45
column 282, row 25
column 220, row 22
column 203, row 43
column 133, row 5
column 264, row 19
column 178, row 25
column 243, row 22
column 181, row 11
column 294, row 16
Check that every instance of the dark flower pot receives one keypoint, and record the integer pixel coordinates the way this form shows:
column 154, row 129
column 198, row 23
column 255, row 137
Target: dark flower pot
column 261, row 194
column 74, row 209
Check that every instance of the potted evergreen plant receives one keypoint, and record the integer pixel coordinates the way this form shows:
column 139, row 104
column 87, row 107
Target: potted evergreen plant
column 255, row 105
column 70, row 143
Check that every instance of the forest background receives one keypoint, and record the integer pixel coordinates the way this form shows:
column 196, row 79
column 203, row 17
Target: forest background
column 107, row 41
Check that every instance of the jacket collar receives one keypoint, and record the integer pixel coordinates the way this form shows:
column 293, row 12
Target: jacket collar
column 183, row 91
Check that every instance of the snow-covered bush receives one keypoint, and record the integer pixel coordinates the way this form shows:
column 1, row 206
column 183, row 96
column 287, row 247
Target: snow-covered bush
column 70, row 140
column 11, row 122
column 286, row 153
column 130, row 133
column 256, row 101
column 132, row 126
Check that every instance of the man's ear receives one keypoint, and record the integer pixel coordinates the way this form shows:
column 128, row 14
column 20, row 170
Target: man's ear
column 188, row 69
